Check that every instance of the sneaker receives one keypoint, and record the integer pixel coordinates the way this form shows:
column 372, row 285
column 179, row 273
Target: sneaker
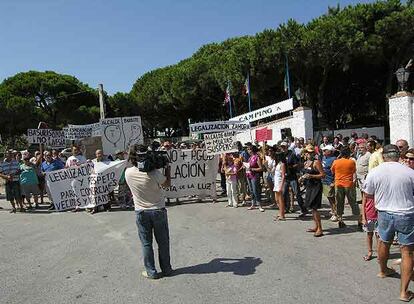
column 235, row 206
column 144, row 273
column 341, row 224
column 333, row 218
column 13, row 210
column 261, row 209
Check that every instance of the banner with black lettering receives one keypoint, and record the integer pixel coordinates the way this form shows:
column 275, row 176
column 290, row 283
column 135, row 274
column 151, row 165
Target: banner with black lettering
column 218, row 143
column 48, row 137
column 193, row 172
column 85, row 186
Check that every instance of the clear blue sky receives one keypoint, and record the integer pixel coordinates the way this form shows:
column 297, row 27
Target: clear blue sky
column 115, row 41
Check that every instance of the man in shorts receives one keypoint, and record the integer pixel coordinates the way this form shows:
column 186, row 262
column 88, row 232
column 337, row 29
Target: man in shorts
column 10, row 171
column 391, row 184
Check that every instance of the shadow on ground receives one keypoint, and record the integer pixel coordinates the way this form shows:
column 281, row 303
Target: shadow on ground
column 243, row 267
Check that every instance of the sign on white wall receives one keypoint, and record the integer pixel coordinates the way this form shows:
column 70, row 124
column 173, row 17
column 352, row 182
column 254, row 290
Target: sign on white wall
column 218, row 126
column 277, row 108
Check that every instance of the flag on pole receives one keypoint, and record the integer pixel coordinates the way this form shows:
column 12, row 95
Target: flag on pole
column 227, row 94
column 286, row 84
column 227, row 99
column 246, row 90
column 246, row 87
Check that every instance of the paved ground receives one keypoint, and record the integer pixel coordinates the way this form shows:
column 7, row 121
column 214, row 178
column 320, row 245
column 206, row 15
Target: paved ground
column 222, row 255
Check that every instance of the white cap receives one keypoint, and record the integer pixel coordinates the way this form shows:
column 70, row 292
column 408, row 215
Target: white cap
column 283, row 143
column 328, row 147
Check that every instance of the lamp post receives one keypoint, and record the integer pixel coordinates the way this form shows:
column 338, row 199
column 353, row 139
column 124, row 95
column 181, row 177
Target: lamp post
column 300, row 95
column 402, row 75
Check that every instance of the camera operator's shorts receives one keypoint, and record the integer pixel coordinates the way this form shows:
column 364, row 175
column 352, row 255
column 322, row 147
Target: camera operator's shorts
column 13, row 191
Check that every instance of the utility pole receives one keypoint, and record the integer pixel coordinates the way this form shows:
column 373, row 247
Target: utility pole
column 101, row 101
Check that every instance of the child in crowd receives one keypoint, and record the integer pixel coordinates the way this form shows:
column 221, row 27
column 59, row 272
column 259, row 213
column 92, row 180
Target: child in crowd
column 230, row 170
column 370, row 221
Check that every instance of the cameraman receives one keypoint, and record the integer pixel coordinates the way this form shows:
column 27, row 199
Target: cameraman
column 151, row 215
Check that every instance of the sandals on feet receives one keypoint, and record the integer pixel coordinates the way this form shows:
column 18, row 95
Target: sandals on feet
column 409, row 297
column 368, row 257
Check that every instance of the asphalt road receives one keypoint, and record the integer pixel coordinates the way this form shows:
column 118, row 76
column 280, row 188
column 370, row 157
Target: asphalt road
column 221, row 255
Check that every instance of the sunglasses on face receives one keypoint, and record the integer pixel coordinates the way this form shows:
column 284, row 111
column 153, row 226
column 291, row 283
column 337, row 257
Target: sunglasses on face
column 409, row 158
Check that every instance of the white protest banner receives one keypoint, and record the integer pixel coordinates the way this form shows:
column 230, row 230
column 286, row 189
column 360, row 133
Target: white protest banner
column 268, row 111
column 218, row 126
column 218, row 143
column 85, row 186
column 51, row 138
column 121, row 132
column 193, row 172
column 76, row 132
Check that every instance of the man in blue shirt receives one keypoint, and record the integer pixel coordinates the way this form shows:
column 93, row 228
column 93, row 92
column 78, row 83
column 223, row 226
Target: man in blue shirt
column 50, row 165
column 328, row 181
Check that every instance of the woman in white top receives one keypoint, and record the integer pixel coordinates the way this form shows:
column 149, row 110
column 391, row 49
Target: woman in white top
column 279, row 173
column 269, row 163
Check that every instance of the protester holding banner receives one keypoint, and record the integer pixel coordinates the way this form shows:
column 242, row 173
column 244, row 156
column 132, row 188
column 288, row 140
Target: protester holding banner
column 10, row 171
column 124, row 193
column 49, row 165
column 253, row 171
column 29, row 183
column 76, row 159
column 37, row 160
column 151, row 215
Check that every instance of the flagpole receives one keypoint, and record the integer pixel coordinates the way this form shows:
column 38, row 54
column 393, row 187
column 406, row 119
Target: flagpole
column 287, row 75
column 248, row 93
column 231, row 112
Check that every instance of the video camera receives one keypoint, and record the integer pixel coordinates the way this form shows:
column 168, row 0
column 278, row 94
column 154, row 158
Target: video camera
column 151, row 160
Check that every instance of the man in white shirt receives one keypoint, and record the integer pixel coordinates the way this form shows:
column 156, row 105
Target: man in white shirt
column 151, row 215
column 391, row 184
column 76, row 159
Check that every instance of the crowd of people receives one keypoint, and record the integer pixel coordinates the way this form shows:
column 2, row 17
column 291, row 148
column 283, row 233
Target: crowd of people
column 377, row 182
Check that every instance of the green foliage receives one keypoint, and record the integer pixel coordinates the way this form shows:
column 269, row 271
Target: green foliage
column 345, row 61
column 27, row 98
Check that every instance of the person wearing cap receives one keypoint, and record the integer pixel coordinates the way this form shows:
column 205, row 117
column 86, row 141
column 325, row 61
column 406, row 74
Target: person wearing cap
column 344, row 170
column 391, row 185
column 10, row 171
column 312, row 178
column 328, row 185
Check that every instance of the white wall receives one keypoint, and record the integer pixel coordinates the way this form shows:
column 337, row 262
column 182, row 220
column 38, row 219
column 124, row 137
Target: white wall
column 300, row 123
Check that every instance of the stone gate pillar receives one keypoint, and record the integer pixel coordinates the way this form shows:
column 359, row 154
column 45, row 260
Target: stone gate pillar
column 401, row 120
